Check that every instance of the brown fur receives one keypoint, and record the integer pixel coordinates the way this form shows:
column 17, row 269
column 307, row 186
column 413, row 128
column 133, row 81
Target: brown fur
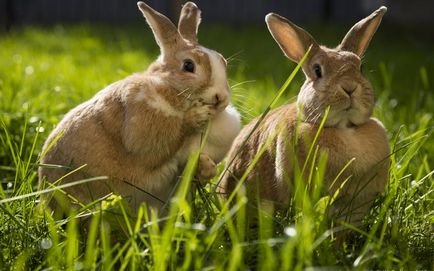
column 349, row 132
column 140, row 131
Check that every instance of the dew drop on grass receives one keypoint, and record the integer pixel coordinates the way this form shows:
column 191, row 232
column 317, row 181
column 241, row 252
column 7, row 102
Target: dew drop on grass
column 144, row 253
column 40, row 129
column 290, row 231
column 29, row 70
column 57, row 89
column 78, row 266
column 357, row 261
column 9, row 185
column 46, row 243
column 179, row 224
column 198, row 227
column 393, row 103
column 33, row 119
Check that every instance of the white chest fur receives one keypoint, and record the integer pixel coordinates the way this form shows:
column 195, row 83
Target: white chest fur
column 224, row 128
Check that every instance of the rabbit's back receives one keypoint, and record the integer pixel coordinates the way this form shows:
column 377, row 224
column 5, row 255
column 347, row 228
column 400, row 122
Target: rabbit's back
column 90, row 135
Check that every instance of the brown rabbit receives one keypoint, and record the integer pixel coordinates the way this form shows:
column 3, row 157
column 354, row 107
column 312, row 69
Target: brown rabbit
column 333, row 79
column 140, row 131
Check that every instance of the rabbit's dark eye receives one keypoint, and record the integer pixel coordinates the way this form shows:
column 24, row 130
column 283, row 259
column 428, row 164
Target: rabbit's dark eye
column 317, row 70
column 188, row 65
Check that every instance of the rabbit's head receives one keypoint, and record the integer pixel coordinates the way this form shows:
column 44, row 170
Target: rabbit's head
column 333, row 76
column 192, row 71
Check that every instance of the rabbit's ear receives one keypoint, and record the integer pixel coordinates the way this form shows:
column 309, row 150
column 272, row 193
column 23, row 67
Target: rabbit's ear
column 189, row 21
column 293, row 40
column 359, row 36
column 165, row 32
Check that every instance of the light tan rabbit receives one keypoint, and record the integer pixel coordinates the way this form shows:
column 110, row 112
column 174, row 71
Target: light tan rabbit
column 140, row 131
column 333, row 78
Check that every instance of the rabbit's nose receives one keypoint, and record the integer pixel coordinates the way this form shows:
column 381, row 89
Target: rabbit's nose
column 220, row 100
column 349, row 88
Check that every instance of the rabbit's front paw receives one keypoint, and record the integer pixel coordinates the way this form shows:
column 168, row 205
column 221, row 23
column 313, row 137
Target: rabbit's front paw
column 199, row 114
column 206, row 168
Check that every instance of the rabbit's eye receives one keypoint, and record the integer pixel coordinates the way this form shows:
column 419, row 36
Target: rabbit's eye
column 188, row 65
column 317, row 70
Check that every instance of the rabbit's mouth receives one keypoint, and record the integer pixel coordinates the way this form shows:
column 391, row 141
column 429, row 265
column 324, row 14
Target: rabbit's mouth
column 349, row 107
column 218, row 104
column 214, row 104
column 350, row 104
column 346, row 105
column 348, row 115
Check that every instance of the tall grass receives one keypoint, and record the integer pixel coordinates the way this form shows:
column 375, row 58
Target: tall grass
column 45, row 72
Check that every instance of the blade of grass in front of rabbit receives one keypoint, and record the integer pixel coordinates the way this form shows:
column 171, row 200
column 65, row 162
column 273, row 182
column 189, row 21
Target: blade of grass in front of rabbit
column 127, row 246
column 72, row 242
column 54, row 188
column 269, row 107
column 315, row 139
column 52, row 143
column 221, row 219
column 203, row 139
column 252, row 164
column 147, row 193
column 179, row 206
column 85, row 211
column 91, row 253
column 309, row 159
column 197, row 185
column 206, row 200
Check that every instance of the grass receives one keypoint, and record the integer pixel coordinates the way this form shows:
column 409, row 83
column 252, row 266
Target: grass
column 45, row 71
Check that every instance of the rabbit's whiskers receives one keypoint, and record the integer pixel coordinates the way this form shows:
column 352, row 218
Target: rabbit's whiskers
column 242, row 82
column 233, row 56
column 183, row 92
column 314, row 115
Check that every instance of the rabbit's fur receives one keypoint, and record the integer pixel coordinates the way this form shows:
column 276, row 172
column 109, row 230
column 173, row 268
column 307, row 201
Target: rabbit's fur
column 334, row 79
column 140, row 131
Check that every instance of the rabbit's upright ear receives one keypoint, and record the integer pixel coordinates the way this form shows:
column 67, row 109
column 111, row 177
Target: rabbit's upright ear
column 165, row 32
column 359, row 36
column 189, row 21
column 293, row 40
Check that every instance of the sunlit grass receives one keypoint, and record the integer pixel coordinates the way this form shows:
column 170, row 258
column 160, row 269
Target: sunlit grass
column 44, row 72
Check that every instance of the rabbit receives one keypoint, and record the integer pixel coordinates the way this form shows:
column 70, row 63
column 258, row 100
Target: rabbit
column 140, row 131
column 333, row 79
